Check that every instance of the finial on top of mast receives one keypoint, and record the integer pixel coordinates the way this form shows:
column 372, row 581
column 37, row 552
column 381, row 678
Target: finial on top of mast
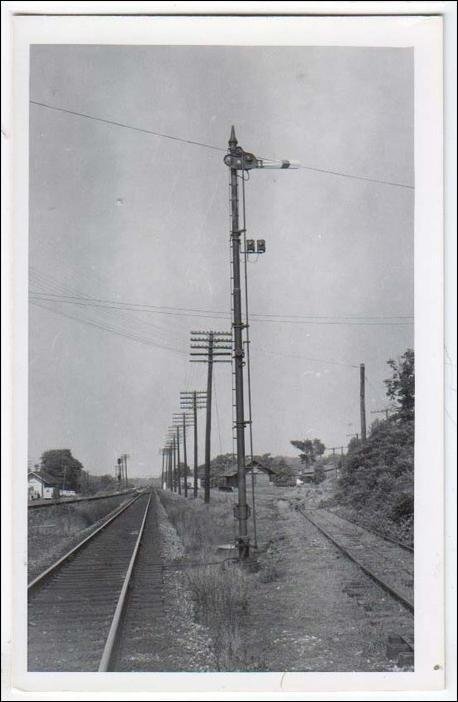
column 232, row 138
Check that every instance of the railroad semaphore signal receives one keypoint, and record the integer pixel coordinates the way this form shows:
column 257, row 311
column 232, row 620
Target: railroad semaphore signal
column 239, row 160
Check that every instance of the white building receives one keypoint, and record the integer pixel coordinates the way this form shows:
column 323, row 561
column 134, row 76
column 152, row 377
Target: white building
column 43, row 486
column 40, row 486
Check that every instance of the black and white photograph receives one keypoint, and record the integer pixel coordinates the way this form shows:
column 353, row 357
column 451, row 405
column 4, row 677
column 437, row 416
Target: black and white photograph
column 222, row 439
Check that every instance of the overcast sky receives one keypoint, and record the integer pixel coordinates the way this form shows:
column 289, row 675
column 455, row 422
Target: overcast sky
column 122, row 215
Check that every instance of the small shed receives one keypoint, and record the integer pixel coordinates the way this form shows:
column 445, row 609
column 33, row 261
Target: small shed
column 261, row 474
column 41, row 486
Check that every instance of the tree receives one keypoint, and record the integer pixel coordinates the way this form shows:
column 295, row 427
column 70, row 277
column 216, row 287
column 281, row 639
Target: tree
column 311, row 450
column 284, row 474
column 63, row 467
column 107, row 481
column 401, row 386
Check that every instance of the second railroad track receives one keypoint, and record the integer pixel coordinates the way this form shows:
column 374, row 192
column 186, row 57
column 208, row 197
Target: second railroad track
column 385, row 562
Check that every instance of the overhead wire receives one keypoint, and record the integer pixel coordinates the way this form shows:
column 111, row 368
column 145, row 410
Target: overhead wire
column 63, row 291
column 192, row 312
column 146, row 342
column 213, row 147
column 127, row 324
column 115, row 123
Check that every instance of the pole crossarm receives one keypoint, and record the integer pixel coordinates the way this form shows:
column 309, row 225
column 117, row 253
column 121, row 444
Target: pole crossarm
column 191, row 393
column 195, row 346
column 212, row 332
column 204, row 361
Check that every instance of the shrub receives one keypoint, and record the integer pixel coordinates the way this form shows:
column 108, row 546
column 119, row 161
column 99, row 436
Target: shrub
column 377, row 476
column 220, row 597
column 402, row 508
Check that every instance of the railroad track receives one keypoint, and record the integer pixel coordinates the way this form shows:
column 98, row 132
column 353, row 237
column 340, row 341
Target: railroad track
column 384, row 536
column 387, row 563
column 81, row 609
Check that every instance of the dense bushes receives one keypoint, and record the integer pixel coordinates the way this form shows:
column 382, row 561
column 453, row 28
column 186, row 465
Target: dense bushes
column 377, row 477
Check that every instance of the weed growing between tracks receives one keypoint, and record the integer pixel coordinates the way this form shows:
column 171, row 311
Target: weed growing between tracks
column 201, row 527
column 219, row 592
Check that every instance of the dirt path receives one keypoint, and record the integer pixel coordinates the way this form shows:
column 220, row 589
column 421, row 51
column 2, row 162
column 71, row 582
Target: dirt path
column 310, row 609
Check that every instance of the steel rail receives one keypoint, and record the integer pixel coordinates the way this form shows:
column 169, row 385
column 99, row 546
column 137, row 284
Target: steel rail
column 384, row 585
column 117, row 616
column 376, row 532
column 71, row 500
column 39, row 580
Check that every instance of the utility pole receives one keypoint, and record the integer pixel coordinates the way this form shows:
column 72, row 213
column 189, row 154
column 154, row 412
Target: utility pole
column 174, row 464
column 194, row 399
column 185, row 457
column 210, row 344
column 169, row 468
column 177, row 429
column 163, row 468
column 196, row 464
column 180, row 419
column 334, row 449
column 123, row 463
column 239, row 160
column 208, row 423
column 362, row 400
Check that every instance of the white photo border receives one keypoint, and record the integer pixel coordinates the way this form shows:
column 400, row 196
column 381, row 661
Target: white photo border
column 424, row 34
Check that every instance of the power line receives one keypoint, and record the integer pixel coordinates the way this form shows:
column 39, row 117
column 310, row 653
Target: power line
column 356, row 177
column 193, row 142
column 112, row 330
column 191, row 312
column 310, row 358
column 140, row 306
column 142, row 130
column 132, row 324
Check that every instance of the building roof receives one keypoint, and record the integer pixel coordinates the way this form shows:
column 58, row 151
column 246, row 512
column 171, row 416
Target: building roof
column 44, row 477
column 230, row 472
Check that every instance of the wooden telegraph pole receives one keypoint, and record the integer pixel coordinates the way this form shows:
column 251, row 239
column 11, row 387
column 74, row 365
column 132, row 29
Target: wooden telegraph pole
column 210, row 344
column 194, row 400
column 174, row 468
column 119, row 463
column 169, row 468
column 362, row 400
column 162, row 467
column 177, row 429
column 184, row 420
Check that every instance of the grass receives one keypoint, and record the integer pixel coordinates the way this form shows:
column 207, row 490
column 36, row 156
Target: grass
column 220, row 601
column 219, row 593
column 201, row 526
column 54, row 529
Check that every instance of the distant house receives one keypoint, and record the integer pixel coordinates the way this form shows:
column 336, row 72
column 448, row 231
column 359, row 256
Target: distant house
column 43, row 486
column 261, row 475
